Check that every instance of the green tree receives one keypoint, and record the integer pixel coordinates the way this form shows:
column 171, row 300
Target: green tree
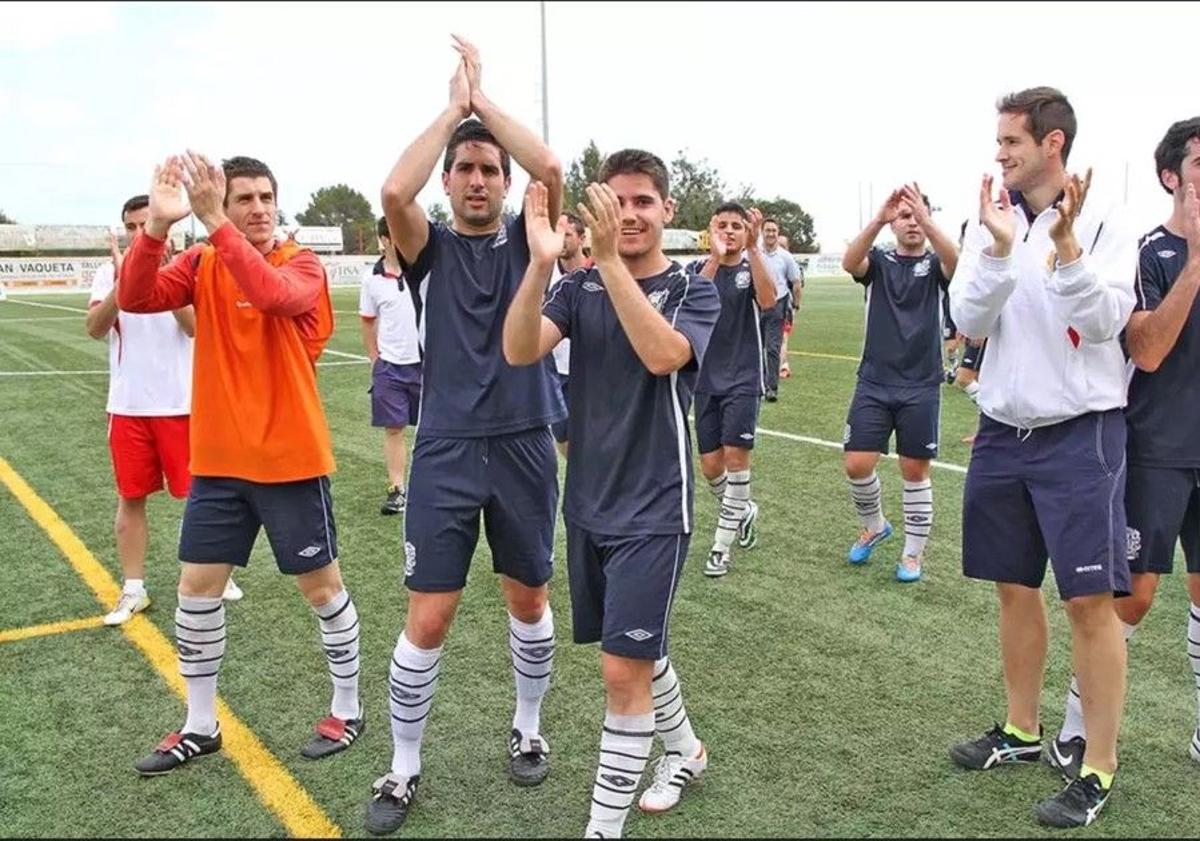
column 438, row 212
column 347, row 208
column 5, row 219
column 794, row 222
column 697, row 188
column 583, row 171
column 280, row 217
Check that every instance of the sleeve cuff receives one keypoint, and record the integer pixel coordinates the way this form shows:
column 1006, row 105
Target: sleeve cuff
column 1069, row 276
column 995, row 264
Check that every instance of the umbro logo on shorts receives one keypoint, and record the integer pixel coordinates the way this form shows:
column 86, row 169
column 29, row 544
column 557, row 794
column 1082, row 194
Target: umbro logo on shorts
column 639, row 635
column 931, row 446
column 309, row 551
column 747, row 436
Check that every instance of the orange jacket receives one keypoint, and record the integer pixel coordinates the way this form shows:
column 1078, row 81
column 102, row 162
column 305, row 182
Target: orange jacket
column 261, row 323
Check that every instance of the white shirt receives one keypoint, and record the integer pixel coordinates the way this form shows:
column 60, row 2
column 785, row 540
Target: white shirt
column 784, row 270
column 562, row 350
column 149, row 360
column 380, row 298
column 1053, row 350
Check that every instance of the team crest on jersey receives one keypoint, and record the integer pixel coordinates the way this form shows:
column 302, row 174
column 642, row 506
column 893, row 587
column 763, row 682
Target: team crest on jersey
column 921, row 269
column 1166, row 254
column 658, row 298
column 1133, row 543
column 410, row 559
column 742, row 279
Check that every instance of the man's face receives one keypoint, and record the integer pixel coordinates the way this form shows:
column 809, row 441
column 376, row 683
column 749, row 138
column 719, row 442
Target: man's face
column 906, row 230
column 732, row 230
column 250, row 206
column 1023, row 161
column 643, row 213
column 135, row 222
column 572, row 241
column 385, row 245
column 770, row 233
column 1189, row 171
column 476, row 184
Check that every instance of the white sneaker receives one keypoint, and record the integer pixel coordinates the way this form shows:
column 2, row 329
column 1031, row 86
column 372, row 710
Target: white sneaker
column 127, row 605
column 232, row 592
column 717, row 563
column 671, row 774
column 1194, row 747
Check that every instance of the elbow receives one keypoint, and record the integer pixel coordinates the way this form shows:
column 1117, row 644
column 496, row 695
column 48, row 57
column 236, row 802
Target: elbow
column 391, row 197
column 514, row 355
column 847, row 267
column 552, row 168
column 1145, row 360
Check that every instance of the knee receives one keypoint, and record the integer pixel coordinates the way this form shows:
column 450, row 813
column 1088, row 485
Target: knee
column 624, row 683
column 202, row 581
column 130, row 512
column 1133, row 608
column 737, row 459
column 529, row 606
column 859, row 467
column 1091, row 614
column 427, row 629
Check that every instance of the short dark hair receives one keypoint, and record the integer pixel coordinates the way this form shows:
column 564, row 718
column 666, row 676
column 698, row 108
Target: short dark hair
column 774, row 221
column 243, row 167
column 1046, row 110
column 135, row 203
column 576, row 223
column 637, row 162
column 381, row 229
column 732, row 207
column 1172, row 149
column 474, row 131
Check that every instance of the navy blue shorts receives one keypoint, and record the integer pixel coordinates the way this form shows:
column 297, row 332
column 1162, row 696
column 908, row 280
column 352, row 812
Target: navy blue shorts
column 511, row 479
column 222, row 517
column 1162, row 504
column 972, row 356
column 622, row 589
column 559, row 428
column 1055, row 492
column 726, row 420
column 395, row 394
column 877, row 410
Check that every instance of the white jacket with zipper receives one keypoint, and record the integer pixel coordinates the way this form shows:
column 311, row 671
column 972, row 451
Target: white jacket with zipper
column 1053, row 348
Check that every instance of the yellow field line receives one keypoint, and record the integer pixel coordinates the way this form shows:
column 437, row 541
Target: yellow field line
column 272, row 783
column 823, row 355
column 51, row 628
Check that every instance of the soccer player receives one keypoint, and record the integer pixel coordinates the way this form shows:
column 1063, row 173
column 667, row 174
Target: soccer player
column 1162, row 490
column 571, row 258
column 149, row 400
column 484, row 444
column 639, row 325
column 260, row 449
column 730, row 386
column 1047, row 278
column 784, row 273
column 900, row 376
column 389, row 333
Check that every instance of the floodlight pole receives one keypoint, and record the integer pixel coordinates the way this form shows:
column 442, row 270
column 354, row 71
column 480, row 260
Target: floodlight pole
column 545, row 87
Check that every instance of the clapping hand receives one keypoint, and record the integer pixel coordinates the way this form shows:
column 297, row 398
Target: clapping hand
column 545, row 240
column 999, row 220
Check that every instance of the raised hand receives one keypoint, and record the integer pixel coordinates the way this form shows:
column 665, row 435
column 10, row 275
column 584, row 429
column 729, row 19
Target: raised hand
column 205, row 183
column 471, row 62
column 753, row 228
column 117, row 257
column 891, row 208
column 1001, row 221
column 716, row 242
column 603, row 219
column 1074, row 193
column 545, row 240
column 460, row 91
column 1191, row 221
column 167, row 202
column 912, row 197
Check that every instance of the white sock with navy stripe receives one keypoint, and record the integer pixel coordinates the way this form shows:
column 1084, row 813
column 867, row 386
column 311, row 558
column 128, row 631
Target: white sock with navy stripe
column 624, row 748
column 868, row 501
column 1193, row 638
column 733, row 508
column 339, row 635
column 413, row 679
column 670, row 717
column 717, row 485
column 200, row 643
column 532, row 647
column 1073, row 715
column 918, row 515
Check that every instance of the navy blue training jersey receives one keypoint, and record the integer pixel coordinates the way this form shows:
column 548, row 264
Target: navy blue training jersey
column 903, row 343
column 468, row 390
column 1163, row 414
column 734, row 362
column 629, row 467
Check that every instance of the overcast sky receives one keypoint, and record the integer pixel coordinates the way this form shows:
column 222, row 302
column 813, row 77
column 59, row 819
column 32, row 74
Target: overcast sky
column 803, row 100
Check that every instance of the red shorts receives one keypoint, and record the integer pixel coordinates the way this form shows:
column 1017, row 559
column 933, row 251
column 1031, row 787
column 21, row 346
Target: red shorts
column 144, row 450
